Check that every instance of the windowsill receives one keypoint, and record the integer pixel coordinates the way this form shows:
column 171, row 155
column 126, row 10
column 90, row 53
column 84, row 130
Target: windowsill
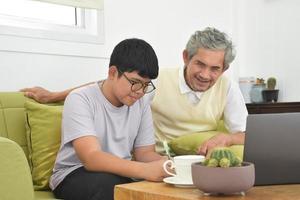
column 72, row 35
column 50, row 47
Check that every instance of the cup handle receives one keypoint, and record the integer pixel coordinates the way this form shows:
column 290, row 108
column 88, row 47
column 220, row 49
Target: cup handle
column 165, row 166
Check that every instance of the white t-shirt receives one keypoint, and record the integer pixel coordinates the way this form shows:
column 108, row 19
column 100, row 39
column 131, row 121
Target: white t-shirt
column 119, row 129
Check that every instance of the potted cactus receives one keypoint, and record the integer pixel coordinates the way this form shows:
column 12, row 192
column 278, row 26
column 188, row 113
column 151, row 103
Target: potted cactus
column 270, row 94
column 223, row 172
column 222, row 157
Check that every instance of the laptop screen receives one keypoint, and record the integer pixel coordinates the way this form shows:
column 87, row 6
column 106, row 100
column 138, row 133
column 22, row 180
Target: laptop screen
column 272, row 143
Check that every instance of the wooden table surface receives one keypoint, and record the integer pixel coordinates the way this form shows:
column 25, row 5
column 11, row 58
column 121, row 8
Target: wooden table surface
column 161, row 191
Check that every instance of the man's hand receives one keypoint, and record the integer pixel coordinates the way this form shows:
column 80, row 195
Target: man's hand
column 45, row 96
column 39, row 94
column 221, row 140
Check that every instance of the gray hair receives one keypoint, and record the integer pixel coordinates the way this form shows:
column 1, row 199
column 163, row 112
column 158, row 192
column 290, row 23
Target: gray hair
column 212, row 39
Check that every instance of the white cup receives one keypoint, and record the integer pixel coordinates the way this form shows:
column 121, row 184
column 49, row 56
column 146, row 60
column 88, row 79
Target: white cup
column 183, row 167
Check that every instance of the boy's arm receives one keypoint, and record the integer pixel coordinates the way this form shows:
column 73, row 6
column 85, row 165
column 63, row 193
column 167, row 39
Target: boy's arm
column 94, row 159
column 42, row 95
column 147, row 154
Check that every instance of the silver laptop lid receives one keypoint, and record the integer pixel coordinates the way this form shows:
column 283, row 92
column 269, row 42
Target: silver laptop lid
column 273, row 144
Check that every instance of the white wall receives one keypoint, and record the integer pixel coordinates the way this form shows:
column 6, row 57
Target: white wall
column 166, row 25
column 264, row 32
column 19, row 70
column 269, row 41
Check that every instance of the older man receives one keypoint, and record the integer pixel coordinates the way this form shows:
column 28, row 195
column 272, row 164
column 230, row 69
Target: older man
column 196, row 97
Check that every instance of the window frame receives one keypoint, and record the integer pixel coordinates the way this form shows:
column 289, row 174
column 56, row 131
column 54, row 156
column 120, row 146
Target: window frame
column 91, row 32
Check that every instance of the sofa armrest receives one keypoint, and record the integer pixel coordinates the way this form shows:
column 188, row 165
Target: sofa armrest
column 15, row 176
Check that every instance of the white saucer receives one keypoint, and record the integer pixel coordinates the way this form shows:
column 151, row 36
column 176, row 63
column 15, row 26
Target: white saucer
column 178, row 183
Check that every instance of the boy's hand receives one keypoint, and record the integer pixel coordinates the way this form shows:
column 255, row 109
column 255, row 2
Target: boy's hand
column 154, row 171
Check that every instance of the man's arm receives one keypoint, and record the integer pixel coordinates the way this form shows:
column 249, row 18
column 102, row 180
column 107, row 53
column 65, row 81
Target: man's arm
column 94, row 159
column 42, row 95
column 235, row 117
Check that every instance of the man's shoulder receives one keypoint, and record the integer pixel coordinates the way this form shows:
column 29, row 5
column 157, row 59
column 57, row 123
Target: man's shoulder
column 231, row 84
column 225, row 81
column 231, row 87
column 224, row 77
column 168, row 73
column 168, row 70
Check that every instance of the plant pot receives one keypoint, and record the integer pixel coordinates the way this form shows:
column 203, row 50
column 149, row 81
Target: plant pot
column 218, row 180
column 256, row 93
column 270, row 95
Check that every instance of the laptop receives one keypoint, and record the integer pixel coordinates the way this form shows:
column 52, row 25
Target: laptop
column 272, row 143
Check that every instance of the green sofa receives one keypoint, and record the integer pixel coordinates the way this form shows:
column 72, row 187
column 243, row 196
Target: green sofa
column 15, row 176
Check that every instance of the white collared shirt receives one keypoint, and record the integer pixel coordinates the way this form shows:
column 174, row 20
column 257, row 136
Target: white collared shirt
column 235, row 113
column 193, row 96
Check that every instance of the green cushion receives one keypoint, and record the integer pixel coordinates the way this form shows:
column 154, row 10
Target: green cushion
column 15, row 178
column 188, row 144
column 44, row 195
column 12, row 123
column 43, row 136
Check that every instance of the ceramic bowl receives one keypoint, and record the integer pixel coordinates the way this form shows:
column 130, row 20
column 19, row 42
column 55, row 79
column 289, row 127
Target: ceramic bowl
column 218, row 180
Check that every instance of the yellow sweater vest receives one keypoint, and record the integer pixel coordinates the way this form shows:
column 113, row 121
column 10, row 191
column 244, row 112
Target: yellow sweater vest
column 174, row 115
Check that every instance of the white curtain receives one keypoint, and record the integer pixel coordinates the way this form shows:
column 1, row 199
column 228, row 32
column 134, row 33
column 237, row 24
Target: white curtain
column 96, row 4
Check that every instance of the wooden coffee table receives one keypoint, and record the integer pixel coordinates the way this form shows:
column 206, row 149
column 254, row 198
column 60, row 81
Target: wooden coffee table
column 161, row 191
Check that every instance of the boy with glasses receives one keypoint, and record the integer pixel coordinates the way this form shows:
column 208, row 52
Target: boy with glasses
column 137, row 85
column 104, row 124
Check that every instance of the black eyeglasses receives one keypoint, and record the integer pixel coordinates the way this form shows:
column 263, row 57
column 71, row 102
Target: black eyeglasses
column 137, row 85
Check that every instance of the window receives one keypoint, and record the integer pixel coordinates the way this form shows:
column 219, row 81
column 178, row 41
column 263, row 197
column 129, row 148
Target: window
column 39, row 11
column 50, row 21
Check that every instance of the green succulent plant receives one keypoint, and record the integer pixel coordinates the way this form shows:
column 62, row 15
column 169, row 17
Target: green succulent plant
column 222, row 157
column 271, row 83
column 212, row 162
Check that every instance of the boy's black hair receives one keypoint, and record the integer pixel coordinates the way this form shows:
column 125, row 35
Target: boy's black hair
column 135, row 55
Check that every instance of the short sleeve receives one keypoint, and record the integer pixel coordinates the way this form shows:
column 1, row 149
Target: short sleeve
column 145, row 134
column 235, row 114
column 77, row 118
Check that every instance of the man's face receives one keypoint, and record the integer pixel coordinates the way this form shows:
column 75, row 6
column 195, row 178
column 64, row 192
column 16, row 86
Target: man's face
column 203, row 69
column 123, row 88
